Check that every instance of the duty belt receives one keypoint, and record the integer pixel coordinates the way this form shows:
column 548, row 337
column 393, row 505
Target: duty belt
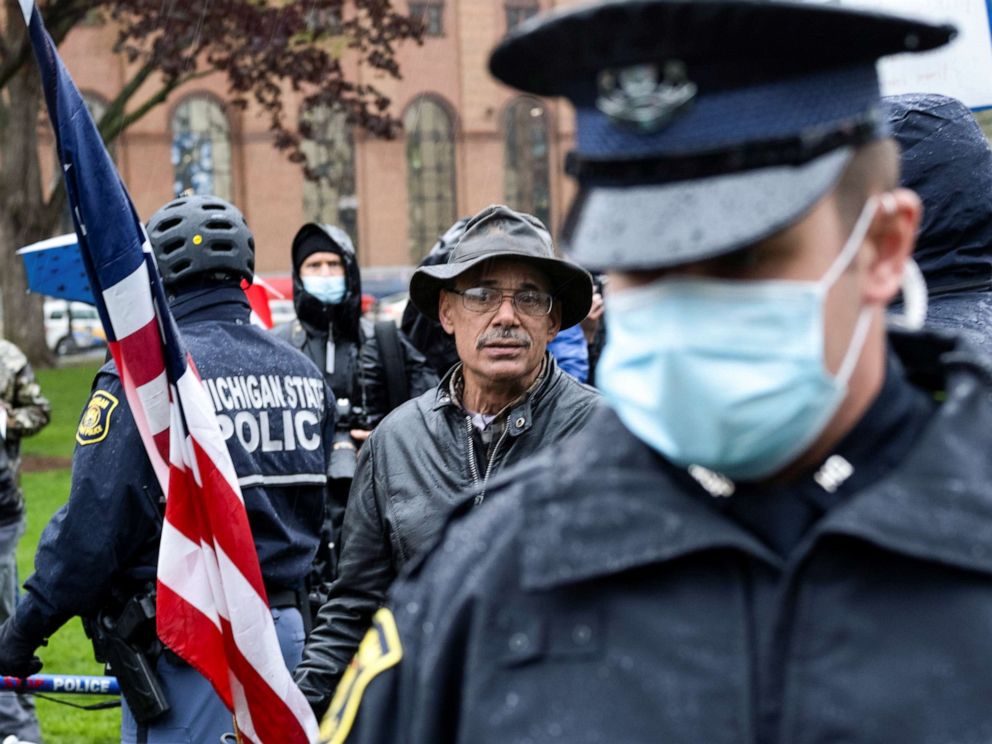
column 279, row 598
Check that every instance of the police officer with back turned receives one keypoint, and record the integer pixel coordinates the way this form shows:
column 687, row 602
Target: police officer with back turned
column 97, row 557
column 779, row 530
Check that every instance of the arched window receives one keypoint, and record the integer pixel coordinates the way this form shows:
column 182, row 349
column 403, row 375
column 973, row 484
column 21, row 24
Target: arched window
column 430, row 173
column 330, row 151
column 525, row 158
column 201, row 148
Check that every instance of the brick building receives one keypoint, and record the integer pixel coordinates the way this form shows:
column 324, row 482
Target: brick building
column 467, row 142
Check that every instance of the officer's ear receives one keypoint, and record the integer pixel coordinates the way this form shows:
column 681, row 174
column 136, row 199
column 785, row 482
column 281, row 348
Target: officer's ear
column 444, row 311
column 891, row 239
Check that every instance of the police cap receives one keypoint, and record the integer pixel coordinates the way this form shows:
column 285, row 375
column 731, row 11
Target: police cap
column 704, row 126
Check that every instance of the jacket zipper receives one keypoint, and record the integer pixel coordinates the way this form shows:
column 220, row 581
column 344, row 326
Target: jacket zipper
column 473, row 463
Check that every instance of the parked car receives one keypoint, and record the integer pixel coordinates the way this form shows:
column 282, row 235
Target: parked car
column 72, row 326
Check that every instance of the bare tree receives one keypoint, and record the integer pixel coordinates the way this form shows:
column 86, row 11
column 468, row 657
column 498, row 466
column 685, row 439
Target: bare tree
column 262, row 47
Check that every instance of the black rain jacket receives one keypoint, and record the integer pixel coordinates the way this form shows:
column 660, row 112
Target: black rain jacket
column 597, row 600
column 947, row 160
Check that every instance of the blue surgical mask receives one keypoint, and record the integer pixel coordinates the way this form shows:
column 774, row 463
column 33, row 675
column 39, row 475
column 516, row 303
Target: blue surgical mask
column 729, row 375
column 328, row 289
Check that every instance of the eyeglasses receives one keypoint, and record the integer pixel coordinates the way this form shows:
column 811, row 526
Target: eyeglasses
column 486, row 299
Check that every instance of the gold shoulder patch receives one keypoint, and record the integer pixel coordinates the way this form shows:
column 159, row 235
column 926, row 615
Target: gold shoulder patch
column 379, row 650
column 95, row 423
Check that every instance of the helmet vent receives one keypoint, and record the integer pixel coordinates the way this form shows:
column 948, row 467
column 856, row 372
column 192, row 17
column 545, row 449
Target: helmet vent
column 219, row 225
column 221, row 246
column 166, row 225
column 172, row 246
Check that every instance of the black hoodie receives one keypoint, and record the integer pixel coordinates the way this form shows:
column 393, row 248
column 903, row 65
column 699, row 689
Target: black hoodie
column 946, row 159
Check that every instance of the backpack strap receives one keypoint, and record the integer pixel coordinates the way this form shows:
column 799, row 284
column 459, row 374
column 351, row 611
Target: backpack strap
column 387, row 335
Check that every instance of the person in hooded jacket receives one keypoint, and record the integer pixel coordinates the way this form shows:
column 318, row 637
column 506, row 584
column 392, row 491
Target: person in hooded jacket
column 946, row 159
column 361, row 361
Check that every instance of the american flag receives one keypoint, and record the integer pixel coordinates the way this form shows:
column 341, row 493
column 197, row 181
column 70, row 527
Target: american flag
column 212, row 607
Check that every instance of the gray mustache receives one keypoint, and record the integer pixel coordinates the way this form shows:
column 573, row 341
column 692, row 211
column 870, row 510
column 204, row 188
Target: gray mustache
column 497, row 335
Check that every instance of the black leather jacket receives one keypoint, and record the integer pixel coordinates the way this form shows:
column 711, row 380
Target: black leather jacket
column 414, row 468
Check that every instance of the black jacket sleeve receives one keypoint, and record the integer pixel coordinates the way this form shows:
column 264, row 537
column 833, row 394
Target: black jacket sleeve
column 365, row 572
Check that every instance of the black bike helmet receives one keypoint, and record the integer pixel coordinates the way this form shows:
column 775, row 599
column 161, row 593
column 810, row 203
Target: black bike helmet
column 196, row 236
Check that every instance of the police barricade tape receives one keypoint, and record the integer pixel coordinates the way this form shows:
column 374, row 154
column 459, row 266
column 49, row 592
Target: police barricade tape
column 78, row 684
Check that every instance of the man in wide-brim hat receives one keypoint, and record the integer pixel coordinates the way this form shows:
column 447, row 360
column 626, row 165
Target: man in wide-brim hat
column 503, row 295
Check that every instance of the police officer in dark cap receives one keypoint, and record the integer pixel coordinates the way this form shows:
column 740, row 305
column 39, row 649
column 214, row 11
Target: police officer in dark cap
column 779, row 529
column 97, row 557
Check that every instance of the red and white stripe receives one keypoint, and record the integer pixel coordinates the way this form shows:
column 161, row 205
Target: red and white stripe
column 212, row 606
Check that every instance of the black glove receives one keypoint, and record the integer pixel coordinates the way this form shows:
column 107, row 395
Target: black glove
column 17, row 657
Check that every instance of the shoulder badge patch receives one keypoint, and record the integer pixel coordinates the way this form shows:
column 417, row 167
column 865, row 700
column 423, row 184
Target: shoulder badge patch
column 95, row 423
column 379, row 650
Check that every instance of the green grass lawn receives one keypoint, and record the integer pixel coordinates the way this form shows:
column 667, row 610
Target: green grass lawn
column 69, row 651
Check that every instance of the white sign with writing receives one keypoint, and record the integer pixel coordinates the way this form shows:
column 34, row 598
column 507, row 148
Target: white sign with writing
column 963, row 69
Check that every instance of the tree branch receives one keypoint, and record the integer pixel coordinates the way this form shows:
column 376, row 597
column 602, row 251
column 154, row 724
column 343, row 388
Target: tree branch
column 60, row 18
column 157, row 98
column 110, row 123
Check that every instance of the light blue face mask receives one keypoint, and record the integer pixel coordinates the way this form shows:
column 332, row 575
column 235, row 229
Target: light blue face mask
column 729, row 375
column 328, row 289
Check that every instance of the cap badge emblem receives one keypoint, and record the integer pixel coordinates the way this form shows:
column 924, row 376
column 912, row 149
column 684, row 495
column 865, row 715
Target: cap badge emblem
column 633, row 97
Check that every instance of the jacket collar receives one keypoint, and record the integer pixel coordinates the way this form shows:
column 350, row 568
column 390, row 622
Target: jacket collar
column 211, row 303
column 638, row 509
column 609, row 503
column 937, row 504
column 521, row 411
